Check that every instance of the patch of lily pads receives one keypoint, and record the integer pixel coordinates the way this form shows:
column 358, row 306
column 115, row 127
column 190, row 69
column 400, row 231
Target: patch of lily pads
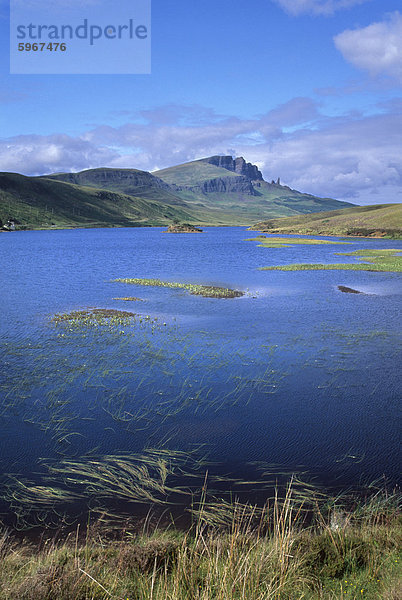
column 207, row 291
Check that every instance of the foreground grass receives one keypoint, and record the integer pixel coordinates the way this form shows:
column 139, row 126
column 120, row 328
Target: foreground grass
column 207, row 291
column 285, row 242
column 259, row 555
column 376, row 260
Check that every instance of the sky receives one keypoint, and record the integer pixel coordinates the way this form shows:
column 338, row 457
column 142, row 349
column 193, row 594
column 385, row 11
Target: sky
column 309, row 90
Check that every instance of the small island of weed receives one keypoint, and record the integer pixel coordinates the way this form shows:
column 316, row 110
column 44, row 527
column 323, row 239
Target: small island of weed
column 95, row 317
column 286, row 242
column 207, row 291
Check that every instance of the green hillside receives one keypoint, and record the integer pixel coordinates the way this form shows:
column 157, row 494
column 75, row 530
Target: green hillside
column 377, row 220
column 39, row 202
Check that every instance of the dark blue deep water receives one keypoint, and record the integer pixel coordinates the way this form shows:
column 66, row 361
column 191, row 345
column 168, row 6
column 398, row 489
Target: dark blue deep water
column 294, row 377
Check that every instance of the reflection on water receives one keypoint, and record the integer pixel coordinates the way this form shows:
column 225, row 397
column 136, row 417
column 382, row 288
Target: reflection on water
column 293, row 377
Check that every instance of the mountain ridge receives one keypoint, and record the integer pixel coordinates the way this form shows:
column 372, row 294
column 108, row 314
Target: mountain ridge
column 217, row 190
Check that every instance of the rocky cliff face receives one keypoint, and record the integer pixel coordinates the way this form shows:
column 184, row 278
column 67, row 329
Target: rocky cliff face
column 247, row 169
column 228, row 184
column 237, row 165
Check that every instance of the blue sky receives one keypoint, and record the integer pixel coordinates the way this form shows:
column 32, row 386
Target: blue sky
column 310, row 90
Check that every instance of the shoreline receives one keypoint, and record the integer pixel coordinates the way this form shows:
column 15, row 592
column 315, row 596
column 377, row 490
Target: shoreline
column 247, row 226
column 337, row 235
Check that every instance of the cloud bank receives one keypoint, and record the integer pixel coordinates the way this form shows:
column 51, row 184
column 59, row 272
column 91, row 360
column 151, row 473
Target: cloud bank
column 376, row 48
column 354, row 157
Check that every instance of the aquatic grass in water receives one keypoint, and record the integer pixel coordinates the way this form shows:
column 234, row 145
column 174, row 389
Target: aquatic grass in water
column 207, row 291
column 387, row 260
column 127, row 380
column 156, row 477
column 151, row 477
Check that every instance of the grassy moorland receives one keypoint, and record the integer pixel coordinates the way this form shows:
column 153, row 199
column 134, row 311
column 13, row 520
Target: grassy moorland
column 375, row 260
column 230, row 552
column 380, row 220
column 207, row 291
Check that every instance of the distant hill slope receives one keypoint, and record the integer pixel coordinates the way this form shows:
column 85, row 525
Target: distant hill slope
column 377, row 220
column 218, row 190
column 131, row 182
column 237, row 186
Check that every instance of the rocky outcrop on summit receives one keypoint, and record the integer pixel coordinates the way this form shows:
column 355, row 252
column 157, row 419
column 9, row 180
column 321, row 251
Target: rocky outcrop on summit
column 237, row 165
column 247, row 169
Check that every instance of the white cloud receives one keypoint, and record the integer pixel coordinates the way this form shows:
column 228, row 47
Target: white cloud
column 354, row 157
column 376, row 48
column 38, row 155
column 316, row 7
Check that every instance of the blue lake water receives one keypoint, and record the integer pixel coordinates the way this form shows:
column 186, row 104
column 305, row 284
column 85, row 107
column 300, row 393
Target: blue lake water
column 295, row 376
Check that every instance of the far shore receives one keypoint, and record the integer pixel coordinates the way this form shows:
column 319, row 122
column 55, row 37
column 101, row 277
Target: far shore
column 247, row 226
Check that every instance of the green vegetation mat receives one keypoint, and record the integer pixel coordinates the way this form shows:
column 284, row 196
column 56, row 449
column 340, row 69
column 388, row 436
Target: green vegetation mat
column 376, row 260
column 94, row 316
column 285, row 242
column 207, row 291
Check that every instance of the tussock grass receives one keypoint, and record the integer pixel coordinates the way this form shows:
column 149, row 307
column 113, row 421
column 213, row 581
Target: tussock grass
column 269, row 553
